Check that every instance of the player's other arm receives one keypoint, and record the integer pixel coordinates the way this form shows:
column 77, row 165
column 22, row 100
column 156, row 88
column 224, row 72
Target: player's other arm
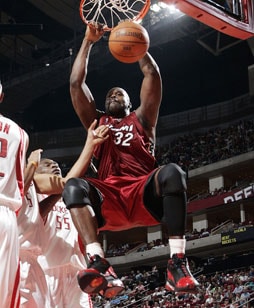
column 32, row 163
column 52, row 184
column 95, row 136
column 46, row 205
column 150, row 93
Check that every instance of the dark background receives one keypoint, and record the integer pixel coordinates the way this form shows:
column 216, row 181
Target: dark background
column 199, row 66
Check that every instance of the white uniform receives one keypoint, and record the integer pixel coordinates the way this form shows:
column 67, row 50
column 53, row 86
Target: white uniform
column 13, row 146
column 33, row 286
column 62, row 259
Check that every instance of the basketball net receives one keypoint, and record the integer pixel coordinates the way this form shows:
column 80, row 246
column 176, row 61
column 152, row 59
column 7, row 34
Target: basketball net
column 110, row 12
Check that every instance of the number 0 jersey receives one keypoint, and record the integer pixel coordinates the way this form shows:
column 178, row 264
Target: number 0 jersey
column 13, row 146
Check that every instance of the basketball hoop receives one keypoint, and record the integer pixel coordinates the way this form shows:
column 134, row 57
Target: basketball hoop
column 110, row 12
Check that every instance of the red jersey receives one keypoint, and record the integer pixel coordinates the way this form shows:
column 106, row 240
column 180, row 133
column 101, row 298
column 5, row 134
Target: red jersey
column 128, row 151
column 125, row 163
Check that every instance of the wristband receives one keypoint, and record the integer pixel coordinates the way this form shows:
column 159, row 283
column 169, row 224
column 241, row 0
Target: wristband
column 34, row 163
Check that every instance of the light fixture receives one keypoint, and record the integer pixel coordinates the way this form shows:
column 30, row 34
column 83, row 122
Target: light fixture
column 160, row 10
column 158, row 6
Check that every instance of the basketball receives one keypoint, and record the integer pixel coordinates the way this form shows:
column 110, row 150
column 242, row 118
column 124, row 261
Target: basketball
column 128, row 42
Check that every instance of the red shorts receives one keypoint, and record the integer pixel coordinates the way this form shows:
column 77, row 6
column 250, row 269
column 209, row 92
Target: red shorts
column 122, row 207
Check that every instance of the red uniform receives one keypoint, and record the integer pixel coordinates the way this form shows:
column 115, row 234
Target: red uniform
column 126, row 161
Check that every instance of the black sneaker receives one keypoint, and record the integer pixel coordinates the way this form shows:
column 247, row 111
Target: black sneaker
column 99, row 277
column 179, row 277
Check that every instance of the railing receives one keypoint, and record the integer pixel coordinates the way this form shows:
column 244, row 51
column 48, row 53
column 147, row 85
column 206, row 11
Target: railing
column 167, row 125
column 219, row 229
column 206, row 116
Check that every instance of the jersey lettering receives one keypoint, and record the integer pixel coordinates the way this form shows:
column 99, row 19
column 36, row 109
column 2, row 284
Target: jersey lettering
column 29, row 199
column 3, row 147
column 123, row 138
column 126, row 128
column 4, row 127
column 62, row 223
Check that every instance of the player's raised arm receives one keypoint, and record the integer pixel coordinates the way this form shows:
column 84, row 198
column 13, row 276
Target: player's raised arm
column 53, row 184
column 81, row 96
column 32, row 163
column 150, row 94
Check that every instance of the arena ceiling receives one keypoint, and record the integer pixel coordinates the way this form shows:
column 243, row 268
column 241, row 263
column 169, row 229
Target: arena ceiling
column 39, row 40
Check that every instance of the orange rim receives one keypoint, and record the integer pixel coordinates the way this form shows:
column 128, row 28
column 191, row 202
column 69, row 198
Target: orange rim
column 143, row 12
column 136, row 18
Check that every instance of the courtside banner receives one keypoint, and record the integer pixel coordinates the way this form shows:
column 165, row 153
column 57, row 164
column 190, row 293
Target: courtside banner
column 238, row 235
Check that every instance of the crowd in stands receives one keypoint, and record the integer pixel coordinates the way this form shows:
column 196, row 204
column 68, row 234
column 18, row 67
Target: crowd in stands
column 118, row 250
column 226, row 289
column 198, row 149
column 204, row 147
column 145, row 289
column 121, row 249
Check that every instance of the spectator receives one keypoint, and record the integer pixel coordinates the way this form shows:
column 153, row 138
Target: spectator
column 245, row 296
column 238, row 288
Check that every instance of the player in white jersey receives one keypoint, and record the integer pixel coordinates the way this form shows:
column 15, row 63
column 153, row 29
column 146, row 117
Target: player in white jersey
column 62, row 257
column 34, row 291
column 13, row 146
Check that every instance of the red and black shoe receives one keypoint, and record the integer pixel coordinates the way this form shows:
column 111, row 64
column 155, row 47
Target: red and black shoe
column 179, row 277
column 114, row 286
column 99, row 277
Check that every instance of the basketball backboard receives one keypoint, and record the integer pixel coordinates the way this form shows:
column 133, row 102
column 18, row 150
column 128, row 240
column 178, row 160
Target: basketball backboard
column 231, row 17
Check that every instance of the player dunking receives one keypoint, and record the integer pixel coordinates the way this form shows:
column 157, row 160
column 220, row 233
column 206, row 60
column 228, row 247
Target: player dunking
column 130, row 190
column 13, row 146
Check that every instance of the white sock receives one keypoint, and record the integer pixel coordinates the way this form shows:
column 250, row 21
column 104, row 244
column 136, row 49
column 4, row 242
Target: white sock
column 94, row 249
column 177, row 245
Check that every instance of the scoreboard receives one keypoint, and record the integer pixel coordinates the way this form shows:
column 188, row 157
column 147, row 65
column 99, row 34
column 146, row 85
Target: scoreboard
column 237, row 235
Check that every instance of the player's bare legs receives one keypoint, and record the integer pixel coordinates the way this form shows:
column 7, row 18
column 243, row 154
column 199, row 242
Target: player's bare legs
column 85, row 224
column 170, row 184
column 99, row 277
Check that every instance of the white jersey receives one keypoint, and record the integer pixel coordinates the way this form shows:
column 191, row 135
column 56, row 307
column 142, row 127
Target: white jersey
column 60, row 243
column 13, row 146
column 30, row 223
column 34, row 291
column 62, row 259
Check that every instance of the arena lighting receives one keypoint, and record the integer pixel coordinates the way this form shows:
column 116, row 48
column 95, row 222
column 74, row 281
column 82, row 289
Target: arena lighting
column 159, row 6
column 155, row 7
column 162, row 11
